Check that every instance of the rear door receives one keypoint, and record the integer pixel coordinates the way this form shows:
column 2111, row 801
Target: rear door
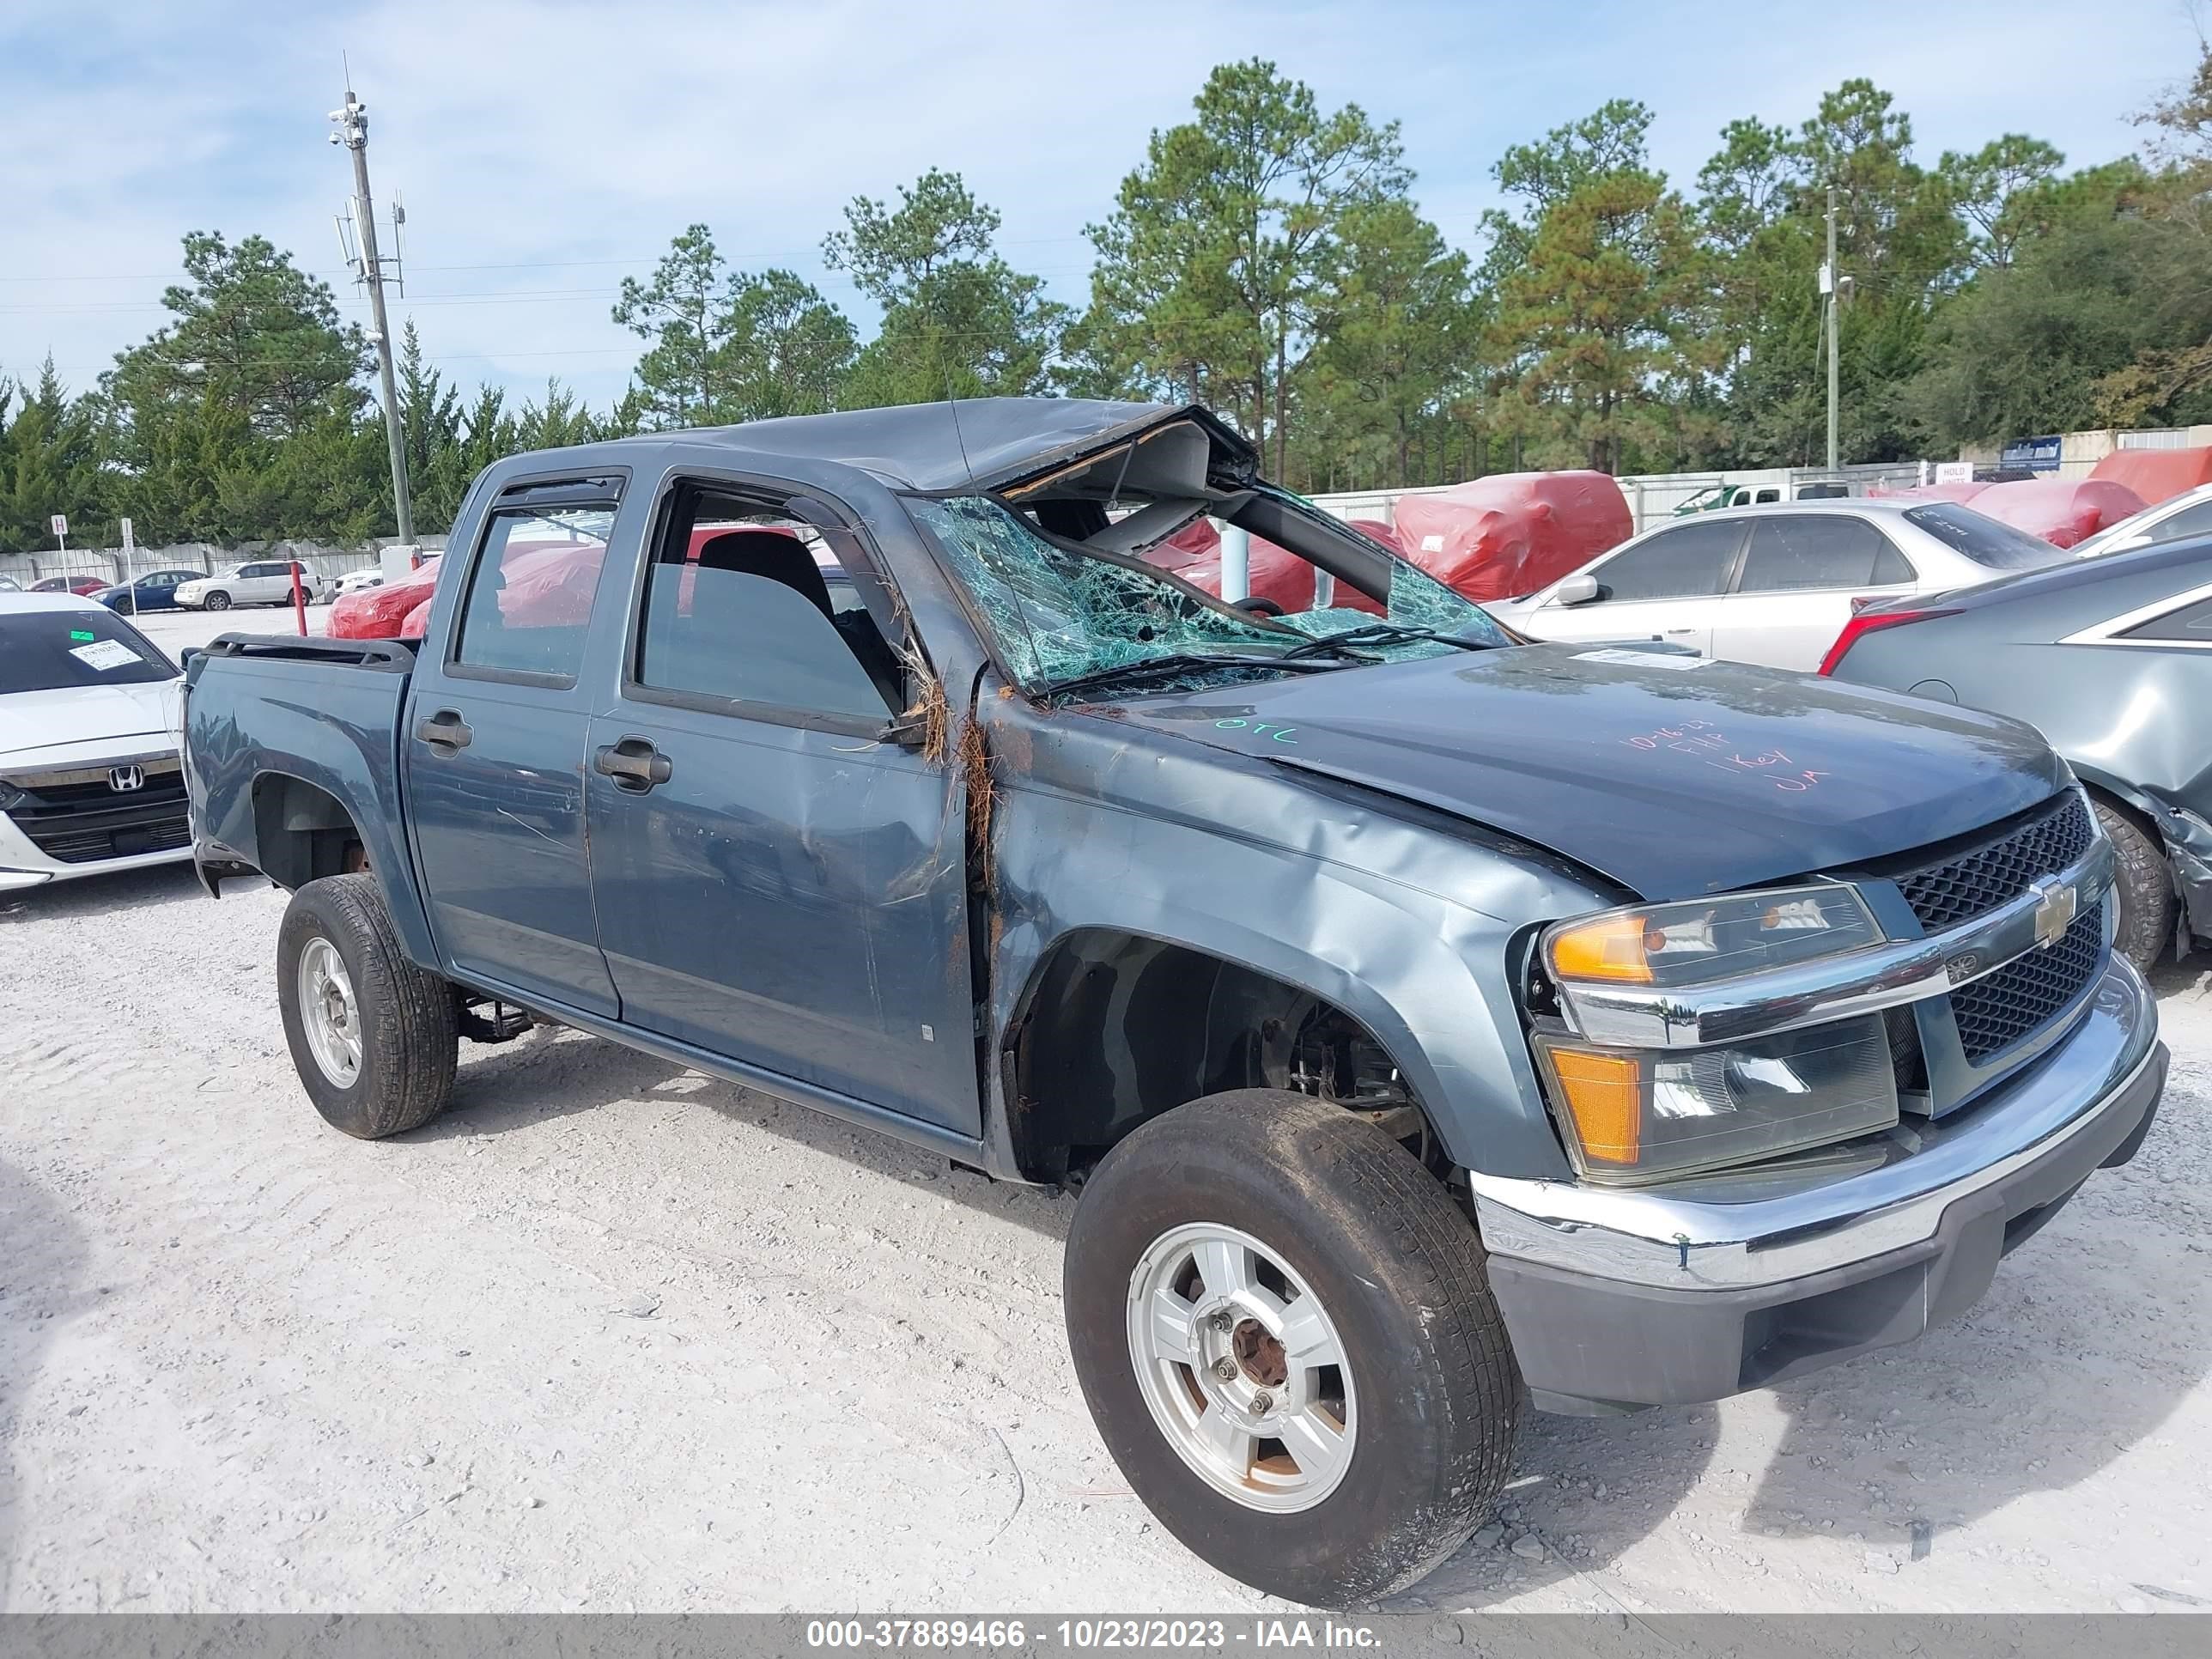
column 1665, row 586
column 776, row 883
column 494, row 741
column 1800, row 572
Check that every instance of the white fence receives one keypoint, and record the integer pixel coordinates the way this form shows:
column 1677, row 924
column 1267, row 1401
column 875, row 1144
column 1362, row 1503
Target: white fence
column 107, row 564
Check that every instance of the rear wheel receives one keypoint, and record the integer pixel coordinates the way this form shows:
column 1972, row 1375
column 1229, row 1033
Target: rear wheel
column 1284, row 1328
column 373, row 1038
column 2144, row 889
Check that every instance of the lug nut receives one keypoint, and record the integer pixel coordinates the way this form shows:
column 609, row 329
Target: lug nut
column 1261, row 1402
column 1223, row 1322
column 1225, row 1368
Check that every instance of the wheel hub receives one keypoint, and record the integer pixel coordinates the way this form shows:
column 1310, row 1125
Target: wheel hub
column 1241, row 1367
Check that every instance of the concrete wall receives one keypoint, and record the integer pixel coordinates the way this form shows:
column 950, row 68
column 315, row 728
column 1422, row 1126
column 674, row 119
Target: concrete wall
column 107, row 562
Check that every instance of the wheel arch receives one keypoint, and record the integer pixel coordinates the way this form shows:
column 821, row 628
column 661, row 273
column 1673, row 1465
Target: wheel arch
column 1114, row 1027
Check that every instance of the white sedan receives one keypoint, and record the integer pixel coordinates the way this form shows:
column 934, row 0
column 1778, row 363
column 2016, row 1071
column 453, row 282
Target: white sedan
column 1772, row 584
column 90, row 780
column 359, row 581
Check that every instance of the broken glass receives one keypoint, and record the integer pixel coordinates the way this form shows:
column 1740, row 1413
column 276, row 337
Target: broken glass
column 1054, row 613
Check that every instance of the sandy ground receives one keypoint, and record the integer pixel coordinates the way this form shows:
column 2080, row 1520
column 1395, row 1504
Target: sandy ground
column 611, row 1335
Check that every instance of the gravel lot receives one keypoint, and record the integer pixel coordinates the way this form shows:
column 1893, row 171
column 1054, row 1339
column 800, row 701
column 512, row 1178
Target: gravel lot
column 612, row 1335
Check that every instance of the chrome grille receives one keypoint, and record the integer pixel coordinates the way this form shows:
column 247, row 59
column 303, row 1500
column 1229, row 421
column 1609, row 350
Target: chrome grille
column 2024, row 994
column 1973, row 883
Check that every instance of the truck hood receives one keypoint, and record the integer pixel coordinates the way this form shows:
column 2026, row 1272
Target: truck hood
column 1672, row 775
column 85, row 717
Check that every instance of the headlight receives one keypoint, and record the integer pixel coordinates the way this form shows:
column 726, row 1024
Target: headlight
column 1633, row 1114
column 1708, row 939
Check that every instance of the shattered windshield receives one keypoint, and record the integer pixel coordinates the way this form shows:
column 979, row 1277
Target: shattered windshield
column 1056, row 614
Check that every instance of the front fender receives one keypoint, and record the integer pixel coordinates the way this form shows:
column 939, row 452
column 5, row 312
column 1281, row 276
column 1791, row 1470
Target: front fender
column 1415, row 937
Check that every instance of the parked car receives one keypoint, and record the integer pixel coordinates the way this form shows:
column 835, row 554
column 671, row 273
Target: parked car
column 2112, row 658
column 1772, row 584
column 90, row 780
column 80, row 587
column 1424, row 1017
column 9, row 584
column 359, row 581
column 2180, row 518
column 260, row 582
column 155, row 591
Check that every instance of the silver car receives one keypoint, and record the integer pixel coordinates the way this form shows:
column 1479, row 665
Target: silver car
column 1774, row 583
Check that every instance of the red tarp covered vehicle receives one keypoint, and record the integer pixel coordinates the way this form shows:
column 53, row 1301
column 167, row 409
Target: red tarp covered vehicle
column 2062, row 511
column 2156, row 475
column 1280, row 577
column 1509, row 534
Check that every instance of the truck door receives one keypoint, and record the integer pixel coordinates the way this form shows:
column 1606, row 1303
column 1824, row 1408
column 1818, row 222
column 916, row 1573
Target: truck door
column 495, row 744
column 776, row 883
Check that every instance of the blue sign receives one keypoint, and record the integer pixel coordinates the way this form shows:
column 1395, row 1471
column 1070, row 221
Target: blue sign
column 2036, row 454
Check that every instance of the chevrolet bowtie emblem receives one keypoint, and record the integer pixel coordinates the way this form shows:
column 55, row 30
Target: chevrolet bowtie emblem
column 2054, row 909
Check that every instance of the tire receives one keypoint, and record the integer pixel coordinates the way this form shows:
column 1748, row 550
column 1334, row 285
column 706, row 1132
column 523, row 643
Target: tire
column 405, row 1030
column 2144, row 889
column 1433, row 1401
column 217, row 600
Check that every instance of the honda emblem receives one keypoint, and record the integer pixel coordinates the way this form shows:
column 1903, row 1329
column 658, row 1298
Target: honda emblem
column 122, row 779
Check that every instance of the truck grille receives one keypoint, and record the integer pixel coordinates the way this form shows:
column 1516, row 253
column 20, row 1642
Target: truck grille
column 2023, row 996
column 75, row 817
column 1975, row 882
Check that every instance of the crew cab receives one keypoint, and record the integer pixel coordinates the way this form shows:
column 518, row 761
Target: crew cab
column 1433, row 1022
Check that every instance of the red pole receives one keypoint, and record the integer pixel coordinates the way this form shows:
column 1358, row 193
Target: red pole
column 299, row 600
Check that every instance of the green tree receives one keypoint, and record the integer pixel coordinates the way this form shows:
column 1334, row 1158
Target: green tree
column 49, row 463
column 1220, row 246
column 684, row 312
column 1996, row 189
column 958, row 320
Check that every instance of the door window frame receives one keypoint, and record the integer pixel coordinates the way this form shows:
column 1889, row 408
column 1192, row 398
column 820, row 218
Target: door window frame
column 771, row 495
column 450, row 665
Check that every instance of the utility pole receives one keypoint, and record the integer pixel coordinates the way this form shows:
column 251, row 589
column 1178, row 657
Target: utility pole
column 1831, row 294
column 352, row 123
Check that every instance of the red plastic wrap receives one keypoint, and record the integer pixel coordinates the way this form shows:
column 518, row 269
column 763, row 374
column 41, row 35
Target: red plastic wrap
column 1961, row 493
column 1511, row 533
column 382, row 613
column 2156, row 475
column 1194, row 553
column 2062, row 511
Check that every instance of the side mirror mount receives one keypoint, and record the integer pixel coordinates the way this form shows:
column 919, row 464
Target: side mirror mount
column 1578, row 589
column 907, row 731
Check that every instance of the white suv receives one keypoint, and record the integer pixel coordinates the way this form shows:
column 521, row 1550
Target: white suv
column 266, row 581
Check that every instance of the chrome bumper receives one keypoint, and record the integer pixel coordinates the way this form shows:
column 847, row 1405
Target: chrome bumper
column 1829, row 1210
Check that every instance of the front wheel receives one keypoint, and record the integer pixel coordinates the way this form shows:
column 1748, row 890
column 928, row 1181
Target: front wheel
column 373, row 1038
column 1284, row 1328
column 217, row 600
column 2144, row 888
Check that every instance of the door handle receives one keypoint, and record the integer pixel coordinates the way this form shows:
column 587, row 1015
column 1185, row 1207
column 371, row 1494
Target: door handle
column 446, row 732
column 633, row 763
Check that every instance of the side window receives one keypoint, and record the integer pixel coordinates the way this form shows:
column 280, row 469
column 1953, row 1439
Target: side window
column 742, row 604
column 530, row 596
column 1827, row 549
column 2191, row 625
column 2194, row 521
column 1688, row 561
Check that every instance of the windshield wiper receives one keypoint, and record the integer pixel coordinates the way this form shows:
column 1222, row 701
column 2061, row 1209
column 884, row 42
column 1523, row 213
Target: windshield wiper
column 1380, row 633
column 1179, row 662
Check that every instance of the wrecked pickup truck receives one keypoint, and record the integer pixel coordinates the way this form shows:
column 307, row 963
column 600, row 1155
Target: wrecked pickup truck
column 1434, row 1023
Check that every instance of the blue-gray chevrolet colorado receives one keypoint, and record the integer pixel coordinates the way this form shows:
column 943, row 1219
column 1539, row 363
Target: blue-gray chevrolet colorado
column 1434, row 1023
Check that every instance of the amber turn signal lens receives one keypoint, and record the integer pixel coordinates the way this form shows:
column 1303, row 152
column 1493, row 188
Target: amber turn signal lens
column 1604, row 1096
column 1612, row 947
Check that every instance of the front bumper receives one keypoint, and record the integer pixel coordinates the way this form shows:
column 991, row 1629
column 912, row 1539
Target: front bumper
column 1619, row 1298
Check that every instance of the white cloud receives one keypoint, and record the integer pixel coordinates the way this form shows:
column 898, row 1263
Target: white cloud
column 531, row 140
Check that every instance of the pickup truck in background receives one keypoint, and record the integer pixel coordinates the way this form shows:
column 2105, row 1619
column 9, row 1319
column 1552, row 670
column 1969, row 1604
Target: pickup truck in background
column 1434, row 1023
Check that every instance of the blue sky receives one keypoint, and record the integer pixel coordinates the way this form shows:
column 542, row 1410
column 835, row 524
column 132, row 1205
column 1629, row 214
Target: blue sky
column 544, row 149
